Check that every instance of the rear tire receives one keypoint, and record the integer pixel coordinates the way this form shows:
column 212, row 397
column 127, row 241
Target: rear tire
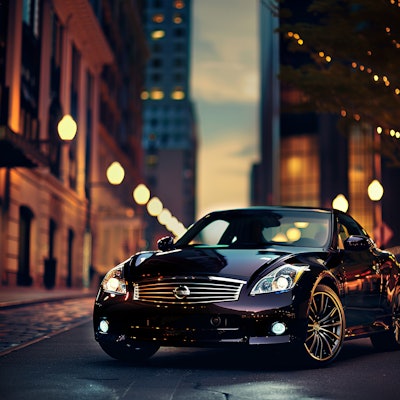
column 325, row 328
column 131, row 352
column 389, row 340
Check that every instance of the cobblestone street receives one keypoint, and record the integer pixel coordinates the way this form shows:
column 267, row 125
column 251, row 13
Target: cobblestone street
column 22, row 325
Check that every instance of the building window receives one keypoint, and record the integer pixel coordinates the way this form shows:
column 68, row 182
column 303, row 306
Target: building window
column 156, row 94
column 157, row 34
column 300, row 172
column 178, row 94
column 179, row 32
column 158, row 18
column 177, row 18
column 156, row 77
column 179, row 4
column 361, row 161
column 156, row 63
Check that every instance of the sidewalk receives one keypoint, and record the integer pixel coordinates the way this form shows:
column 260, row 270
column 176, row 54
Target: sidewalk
column 20, row 295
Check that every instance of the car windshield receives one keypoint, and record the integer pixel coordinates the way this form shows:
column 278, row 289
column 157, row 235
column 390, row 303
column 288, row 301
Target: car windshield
column 260, row 228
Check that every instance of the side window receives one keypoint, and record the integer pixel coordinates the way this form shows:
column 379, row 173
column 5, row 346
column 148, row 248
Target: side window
column 347, row 227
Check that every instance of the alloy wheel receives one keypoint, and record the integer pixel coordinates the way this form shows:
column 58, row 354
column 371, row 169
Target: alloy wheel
column 325, row 325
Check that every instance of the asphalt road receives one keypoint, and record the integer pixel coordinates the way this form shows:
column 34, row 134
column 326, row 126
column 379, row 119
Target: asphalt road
column 71, row 365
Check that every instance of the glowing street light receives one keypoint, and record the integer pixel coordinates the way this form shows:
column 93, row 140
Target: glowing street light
column 375, row 190
column 340, row 203
column 154, row 207
column 67, row 128
column 115, row 173
column 164, row 216
column 141, row 194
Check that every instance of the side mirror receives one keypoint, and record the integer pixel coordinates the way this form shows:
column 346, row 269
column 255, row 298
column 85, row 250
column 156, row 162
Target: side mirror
column 165, row 243
column 355, row 242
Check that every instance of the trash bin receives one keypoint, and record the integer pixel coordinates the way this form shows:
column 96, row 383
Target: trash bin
column 49, row 277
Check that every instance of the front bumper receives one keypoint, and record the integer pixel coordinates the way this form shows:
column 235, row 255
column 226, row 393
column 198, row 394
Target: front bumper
column 209, row 325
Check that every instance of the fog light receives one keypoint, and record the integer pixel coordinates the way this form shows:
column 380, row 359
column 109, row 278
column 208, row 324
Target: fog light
column 103, row 326
column 278, row 328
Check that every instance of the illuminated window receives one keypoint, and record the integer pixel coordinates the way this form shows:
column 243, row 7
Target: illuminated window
column 178, row 94
column 158, row 18
column 179, row 4
column 157, row 94
column 361, row 161
column 177, row 18
column 300, row 172
column 151, row 160
column 158, row 34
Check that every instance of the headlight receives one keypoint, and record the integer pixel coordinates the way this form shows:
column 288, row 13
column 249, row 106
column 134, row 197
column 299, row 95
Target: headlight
column 280, row 279
column 114, row 281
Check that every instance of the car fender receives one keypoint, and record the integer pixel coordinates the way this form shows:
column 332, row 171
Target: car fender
column 317, row 275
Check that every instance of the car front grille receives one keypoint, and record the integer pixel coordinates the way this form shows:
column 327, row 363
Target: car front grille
column 188, row 290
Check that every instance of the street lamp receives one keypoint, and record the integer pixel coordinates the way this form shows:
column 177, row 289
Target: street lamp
column 375, row 190
column 115, row 173
column 141, row 194
column 67, row 128
column 340, row 203
column 154, row 206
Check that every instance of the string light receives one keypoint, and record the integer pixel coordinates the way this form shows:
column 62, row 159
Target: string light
column 393, row 133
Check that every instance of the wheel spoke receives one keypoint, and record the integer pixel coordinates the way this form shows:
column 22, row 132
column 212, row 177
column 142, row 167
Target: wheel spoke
column 324, row 327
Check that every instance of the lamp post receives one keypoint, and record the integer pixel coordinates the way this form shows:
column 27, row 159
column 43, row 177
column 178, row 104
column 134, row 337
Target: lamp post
column 66, row 129
column 115, row 174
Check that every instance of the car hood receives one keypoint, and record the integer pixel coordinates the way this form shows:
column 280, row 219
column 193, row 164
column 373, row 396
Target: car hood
column 234, row 263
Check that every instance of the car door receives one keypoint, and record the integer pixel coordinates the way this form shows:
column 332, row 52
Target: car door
column 362, row 281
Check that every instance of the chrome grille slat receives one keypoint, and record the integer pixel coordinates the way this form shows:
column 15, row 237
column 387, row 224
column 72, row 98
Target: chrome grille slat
column 202, row 290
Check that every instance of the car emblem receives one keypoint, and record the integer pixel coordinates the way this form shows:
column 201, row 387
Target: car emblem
column 181, row 292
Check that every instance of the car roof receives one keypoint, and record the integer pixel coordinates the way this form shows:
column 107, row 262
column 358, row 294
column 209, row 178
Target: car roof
column 276, row 208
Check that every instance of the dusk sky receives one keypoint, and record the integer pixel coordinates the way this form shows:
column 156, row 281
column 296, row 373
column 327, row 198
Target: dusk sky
column 225, row 91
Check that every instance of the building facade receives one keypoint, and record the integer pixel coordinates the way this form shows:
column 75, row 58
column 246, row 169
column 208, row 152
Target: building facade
column 169, row 130
column 59, row 212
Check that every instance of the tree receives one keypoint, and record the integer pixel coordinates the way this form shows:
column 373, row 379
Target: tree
column 350, row 58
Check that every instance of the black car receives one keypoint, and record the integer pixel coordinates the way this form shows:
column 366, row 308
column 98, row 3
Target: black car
column 307, row 278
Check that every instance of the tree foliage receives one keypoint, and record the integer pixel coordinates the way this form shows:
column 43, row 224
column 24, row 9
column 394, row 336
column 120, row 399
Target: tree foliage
column 350, row 52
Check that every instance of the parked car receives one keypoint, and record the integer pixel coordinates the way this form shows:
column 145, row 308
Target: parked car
column 300, row 277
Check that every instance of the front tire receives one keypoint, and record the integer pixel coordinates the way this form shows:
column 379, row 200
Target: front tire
column 131, row 352
column 325, row 328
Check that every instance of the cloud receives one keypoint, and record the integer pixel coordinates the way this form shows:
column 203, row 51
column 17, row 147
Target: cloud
column 225, row 63
column 224, row 170
column 219, row 82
